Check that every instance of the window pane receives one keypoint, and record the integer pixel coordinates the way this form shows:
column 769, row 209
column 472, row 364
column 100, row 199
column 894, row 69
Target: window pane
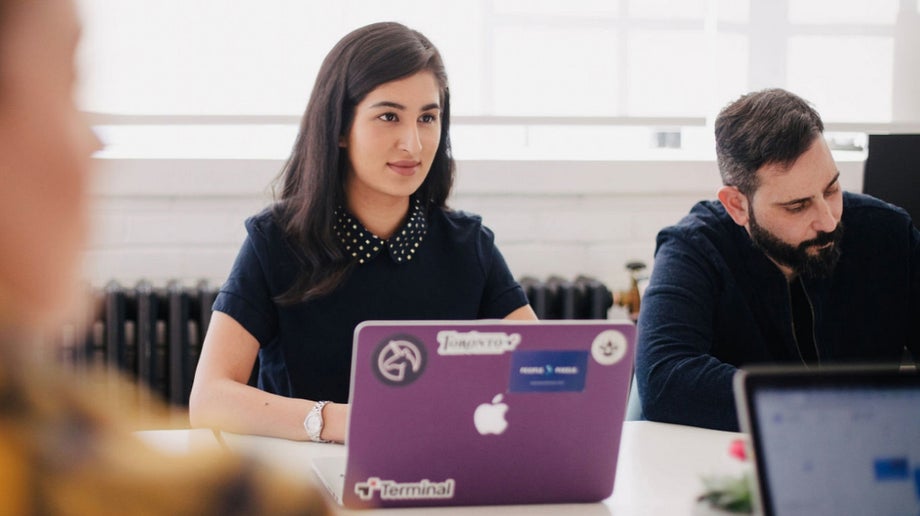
column 734, row 11
column 847, row 78
column 554, row 7
column 669, row 73
column 555, row 72
column 731, row 70
column 175, row 56
column 667, row 9
column 826, row 12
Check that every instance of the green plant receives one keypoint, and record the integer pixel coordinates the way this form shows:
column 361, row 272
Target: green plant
column 729, row 493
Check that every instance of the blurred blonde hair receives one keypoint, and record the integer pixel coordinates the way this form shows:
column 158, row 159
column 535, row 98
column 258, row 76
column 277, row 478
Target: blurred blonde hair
column 63, row 450
column 66, row 443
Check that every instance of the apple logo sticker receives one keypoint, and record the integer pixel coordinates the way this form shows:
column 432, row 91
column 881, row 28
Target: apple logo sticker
column 489, row 418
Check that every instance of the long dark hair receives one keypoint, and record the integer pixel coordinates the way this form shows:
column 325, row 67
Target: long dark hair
column 313, row 179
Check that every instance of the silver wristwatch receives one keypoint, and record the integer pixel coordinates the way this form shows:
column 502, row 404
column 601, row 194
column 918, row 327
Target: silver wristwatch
column 313, row 424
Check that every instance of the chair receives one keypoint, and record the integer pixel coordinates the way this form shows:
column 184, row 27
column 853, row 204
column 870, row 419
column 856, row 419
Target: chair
column 892, row 171
column 634, row 406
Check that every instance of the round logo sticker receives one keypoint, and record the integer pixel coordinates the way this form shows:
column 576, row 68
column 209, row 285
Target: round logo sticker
column 399, row 360
column 609, row 347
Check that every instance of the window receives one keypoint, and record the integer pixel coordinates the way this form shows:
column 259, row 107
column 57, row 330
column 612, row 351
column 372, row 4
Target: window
column 516, row 66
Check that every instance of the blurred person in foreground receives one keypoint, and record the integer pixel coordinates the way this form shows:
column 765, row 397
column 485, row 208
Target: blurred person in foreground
column 63, row 449
column 785, row 268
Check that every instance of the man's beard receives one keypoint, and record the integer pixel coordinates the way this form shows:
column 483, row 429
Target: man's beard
column 797, row 258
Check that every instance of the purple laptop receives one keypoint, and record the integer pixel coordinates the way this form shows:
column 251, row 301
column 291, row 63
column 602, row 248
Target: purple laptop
column 485, row 412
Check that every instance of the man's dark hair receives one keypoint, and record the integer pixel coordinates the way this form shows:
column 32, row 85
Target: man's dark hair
column 765, row 127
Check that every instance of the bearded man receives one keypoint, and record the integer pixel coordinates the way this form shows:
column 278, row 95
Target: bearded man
column 785, row 268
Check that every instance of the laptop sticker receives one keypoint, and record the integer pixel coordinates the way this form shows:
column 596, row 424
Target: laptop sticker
column 548, row 371
column 399, row 360
column 476, row 342
column 892, row 468
column 609, row 347
column 392, row 490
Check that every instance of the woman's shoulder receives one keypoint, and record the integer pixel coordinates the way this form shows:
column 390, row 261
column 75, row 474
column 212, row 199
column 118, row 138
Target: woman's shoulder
column 266, row 230
column 457, row 218
column 459, row 224
column 265, row 236
column 264, row 222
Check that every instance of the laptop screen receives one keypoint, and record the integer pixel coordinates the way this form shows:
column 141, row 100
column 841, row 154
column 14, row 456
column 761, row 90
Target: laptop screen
column 838, row 444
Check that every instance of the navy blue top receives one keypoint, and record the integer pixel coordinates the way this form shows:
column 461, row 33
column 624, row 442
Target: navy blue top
column 455, row 272
column 715, row 302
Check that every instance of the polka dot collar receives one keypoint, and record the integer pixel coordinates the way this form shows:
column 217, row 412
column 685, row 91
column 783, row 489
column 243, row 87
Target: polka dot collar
column 363, row 245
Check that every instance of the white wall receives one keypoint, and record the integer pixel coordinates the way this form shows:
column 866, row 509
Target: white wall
column 163, row 219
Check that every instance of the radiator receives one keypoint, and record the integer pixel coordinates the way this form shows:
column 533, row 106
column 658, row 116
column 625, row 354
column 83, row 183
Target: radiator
column 558, row 298
column 154, row 334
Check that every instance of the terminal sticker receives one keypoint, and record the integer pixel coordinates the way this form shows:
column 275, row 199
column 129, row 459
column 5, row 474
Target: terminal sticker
column 392, row 490
column 548, row 371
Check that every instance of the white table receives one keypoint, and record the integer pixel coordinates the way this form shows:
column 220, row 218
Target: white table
column 658, row 472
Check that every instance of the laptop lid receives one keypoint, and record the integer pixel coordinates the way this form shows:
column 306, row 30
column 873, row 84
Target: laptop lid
column 834, row 441
column 486, row 412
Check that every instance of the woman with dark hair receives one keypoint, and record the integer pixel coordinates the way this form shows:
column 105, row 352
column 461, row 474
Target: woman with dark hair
column 66, row 445
column 361, row 231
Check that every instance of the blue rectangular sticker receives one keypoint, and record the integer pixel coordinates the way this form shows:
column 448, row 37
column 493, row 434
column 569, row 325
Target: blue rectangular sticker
column 891, row 468
column 548, row 371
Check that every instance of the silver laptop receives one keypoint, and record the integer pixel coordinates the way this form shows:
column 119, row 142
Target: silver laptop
column 833, row 442
column 483, row 412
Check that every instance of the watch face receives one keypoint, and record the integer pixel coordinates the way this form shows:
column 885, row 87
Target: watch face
column 314, row 424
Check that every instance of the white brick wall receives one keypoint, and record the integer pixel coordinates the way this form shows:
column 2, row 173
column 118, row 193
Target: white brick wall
column 163, row 219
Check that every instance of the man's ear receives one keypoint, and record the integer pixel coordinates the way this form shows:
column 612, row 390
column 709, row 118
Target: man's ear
column 736, row 204
column 343, row 142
